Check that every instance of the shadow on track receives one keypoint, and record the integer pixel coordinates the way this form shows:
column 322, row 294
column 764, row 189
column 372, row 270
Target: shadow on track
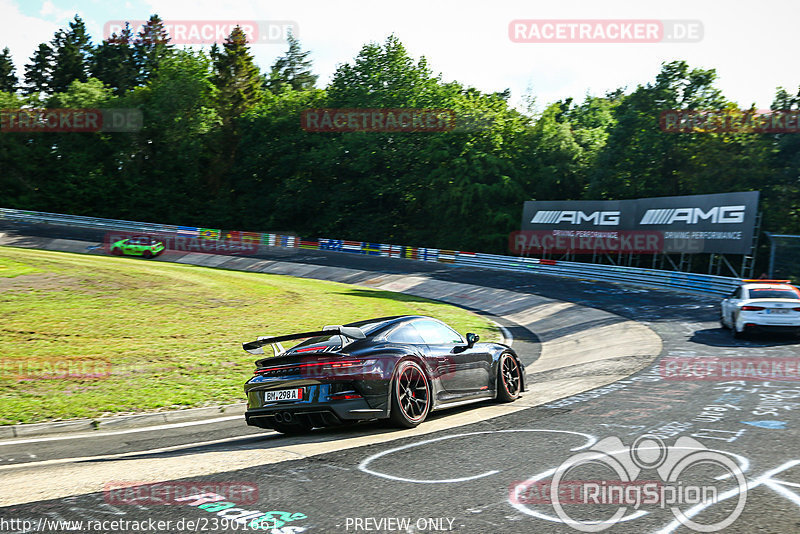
column 721, row 337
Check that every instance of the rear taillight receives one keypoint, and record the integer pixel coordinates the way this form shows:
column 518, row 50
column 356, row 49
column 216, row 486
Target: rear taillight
column 297, row 367
column 312, row 349
column 752, row 308
column 345, row 395
column 346, row 364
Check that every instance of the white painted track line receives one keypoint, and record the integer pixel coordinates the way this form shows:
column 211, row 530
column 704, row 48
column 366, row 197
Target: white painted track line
column 100, row 434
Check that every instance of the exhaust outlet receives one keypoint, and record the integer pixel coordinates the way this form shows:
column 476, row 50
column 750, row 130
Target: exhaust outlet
column 279, row 417
column 287, row 417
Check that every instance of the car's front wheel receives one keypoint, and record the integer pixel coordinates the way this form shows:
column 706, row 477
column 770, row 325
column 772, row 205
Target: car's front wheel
column 411, row 395
column 509, row 378
column 147, row 254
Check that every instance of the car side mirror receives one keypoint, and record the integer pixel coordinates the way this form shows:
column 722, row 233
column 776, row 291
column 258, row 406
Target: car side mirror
column 472, row 339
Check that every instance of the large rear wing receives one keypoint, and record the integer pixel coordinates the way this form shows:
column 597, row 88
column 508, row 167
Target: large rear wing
column 255, row 347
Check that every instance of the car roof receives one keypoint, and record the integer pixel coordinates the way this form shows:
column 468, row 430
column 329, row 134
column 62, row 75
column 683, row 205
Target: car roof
column 769, row 286
column 387, row 322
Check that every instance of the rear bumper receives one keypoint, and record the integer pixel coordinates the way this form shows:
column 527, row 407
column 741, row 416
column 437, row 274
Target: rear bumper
column 771, row 328
column 321, row 414
column 316, row 406
column 318, row 416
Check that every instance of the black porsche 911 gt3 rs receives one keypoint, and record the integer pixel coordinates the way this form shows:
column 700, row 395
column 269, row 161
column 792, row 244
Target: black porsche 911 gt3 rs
column 400, row 368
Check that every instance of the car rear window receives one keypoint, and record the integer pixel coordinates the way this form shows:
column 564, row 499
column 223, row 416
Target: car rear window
column 774, row 294
column 370, row 326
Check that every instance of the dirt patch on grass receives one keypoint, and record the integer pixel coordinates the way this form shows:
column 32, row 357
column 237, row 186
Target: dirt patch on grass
column 39, row 281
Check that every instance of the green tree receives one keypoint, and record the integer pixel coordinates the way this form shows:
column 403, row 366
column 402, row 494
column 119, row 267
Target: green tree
column 292, row 70
column 17, row 185
column 557, row 152
column 151, row 47
column 236, row 76
column 91, row 93
column 781, row 200
column 8, row 78
column 38, row 73
column 272, row 182
column 238, row 83
column 418, row 187
column 113, row 61
column 639, row 158
column 163, row 170
column 72, row 50
column 385, row 76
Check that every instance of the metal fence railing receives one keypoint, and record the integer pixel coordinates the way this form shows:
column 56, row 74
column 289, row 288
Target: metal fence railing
column 654, row 278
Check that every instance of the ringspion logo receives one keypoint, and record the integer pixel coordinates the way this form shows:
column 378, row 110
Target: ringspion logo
column 688, row 482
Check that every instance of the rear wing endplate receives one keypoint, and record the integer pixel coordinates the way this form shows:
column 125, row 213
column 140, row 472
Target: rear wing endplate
column 255, row 347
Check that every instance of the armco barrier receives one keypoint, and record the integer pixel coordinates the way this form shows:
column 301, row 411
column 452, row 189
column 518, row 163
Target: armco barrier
column 679, row 281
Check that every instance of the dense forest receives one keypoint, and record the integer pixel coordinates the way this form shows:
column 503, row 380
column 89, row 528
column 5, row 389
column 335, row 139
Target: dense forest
column 222, row 145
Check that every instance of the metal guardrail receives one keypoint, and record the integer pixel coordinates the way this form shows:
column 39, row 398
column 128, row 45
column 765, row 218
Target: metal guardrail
column 653, row 278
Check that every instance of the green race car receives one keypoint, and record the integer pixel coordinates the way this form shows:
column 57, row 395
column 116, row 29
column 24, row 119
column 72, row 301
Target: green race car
column 144, row 246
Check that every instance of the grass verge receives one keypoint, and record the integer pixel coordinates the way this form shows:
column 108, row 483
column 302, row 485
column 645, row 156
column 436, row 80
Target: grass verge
column 157, row 335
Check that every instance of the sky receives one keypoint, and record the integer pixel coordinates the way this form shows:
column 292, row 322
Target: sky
column 752, row 45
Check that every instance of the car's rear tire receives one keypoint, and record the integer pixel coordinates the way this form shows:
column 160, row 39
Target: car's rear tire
column 722, row 322
column 411, row 395
column 509, row 378
column 736, row 333
column 116, row 251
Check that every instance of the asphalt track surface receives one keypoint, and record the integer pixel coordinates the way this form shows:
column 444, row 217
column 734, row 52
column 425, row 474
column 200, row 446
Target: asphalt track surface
column 462, row 479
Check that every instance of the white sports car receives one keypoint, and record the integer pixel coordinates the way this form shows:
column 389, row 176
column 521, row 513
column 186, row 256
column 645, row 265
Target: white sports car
column 762, row 306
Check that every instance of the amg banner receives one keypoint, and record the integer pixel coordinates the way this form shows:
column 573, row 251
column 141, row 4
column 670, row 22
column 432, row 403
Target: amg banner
column 722, row 223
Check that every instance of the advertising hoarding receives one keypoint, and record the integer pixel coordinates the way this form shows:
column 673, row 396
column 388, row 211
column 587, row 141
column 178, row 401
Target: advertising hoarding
column 719, row 223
